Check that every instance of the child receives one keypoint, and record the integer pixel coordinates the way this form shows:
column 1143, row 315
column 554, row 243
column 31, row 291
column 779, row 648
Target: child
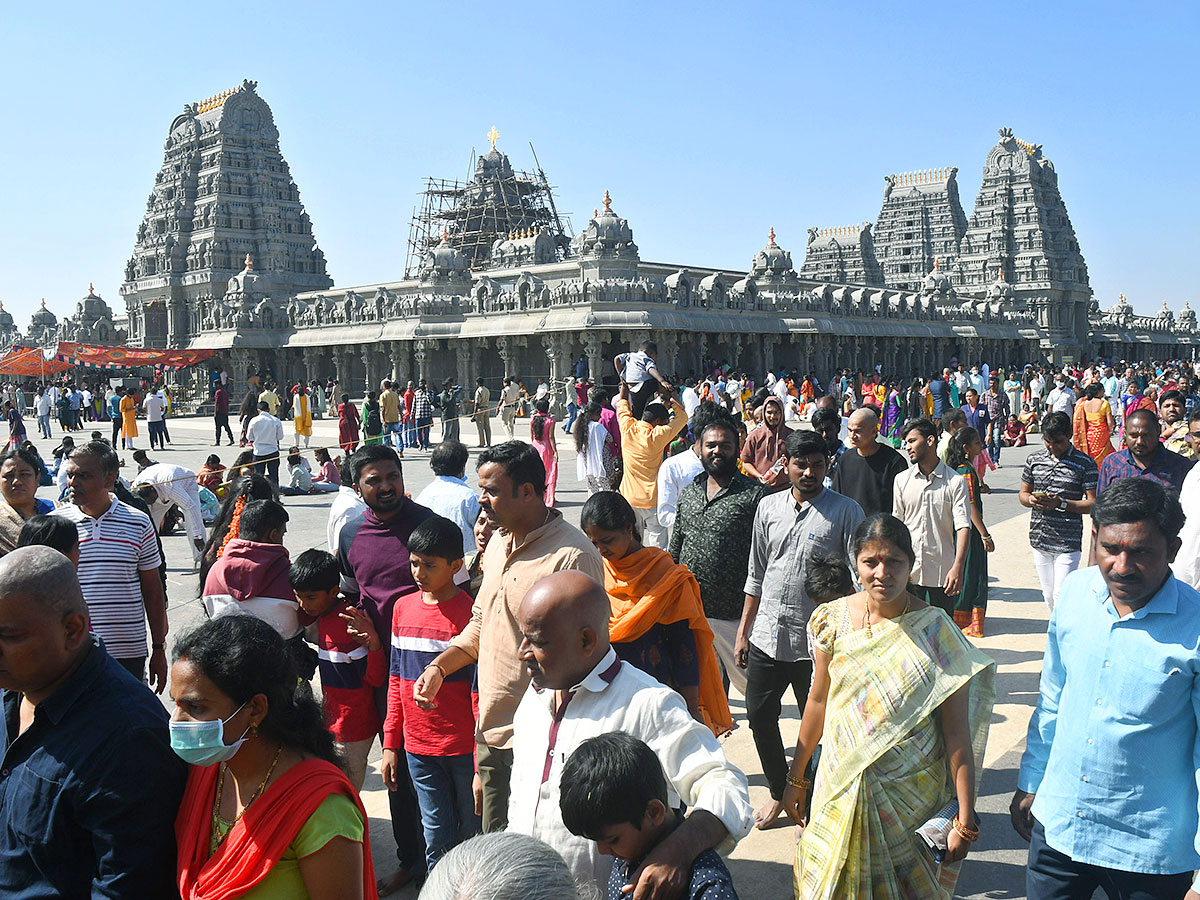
column 439, row 743
column 352, row 659
column 613, row 791
column 51, row 531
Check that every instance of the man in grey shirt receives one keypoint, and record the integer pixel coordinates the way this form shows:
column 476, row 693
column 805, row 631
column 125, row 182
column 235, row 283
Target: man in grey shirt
column 790, row 528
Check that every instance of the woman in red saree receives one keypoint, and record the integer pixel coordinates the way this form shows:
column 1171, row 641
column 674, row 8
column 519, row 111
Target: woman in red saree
column 348, row 422
column 267, row 813
column 1094, row 424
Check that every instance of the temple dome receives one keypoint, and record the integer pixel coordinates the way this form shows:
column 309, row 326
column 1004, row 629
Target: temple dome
column 771, row 260
column 44, row 318
column 248, row 281
column 444, row 261
column 1000, row 289
column 937, row 283
column 92, row 307
column 6, row 319
column 606, row 234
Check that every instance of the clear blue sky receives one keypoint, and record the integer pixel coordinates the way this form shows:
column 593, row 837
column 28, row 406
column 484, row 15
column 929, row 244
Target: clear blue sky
column 709, row 122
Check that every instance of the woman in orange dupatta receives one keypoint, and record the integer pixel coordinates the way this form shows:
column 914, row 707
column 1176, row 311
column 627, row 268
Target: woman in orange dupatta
column 657, row 621
column 267, row 813
column 1094, row 424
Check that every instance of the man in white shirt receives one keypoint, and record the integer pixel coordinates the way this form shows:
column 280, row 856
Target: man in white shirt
column 265, row 432
column 688, row 397
column 733, row 390
column 155, row 408
column 1187, row 561
column 162, row 486
column 638, row 370
column 43, row 403
column 1036, row 386
column 580, row 689
column 677, row 472
column 509, row 395
column 1062, row 398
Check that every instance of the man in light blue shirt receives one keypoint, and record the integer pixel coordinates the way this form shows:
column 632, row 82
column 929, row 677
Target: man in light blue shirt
column 1107, row 793
column 450, row 496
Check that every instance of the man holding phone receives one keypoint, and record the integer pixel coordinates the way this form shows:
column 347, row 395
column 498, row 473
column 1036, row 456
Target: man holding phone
column 1059, row 485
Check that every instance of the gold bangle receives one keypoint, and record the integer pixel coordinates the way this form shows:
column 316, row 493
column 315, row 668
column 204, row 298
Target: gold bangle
column 797, row 782
column 967, row 834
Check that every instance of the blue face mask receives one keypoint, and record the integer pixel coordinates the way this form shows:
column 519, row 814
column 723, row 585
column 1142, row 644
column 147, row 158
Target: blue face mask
column 203, row 743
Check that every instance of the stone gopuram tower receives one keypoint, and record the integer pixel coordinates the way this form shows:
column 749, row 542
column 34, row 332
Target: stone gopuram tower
column 1020, row 235
column 921, row 221
column 224, row 191
column 844, row 255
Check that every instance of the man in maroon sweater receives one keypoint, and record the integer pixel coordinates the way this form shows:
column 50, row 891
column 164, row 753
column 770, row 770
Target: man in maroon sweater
column 221, row 414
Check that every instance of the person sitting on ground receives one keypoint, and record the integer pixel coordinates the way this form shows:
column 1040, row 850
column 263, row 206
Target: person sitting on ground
column 210, row 474
column 271, row 813
column 51, row 531
column 352, row 660
column 328, row 477
column 614, row 793
column 501, row 866
column 299, row 475
column 1014, row 433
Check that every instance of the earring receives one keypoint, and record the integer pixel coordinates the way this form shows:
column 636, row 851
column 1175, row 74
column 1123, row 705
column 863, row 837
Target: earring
column 253, row 730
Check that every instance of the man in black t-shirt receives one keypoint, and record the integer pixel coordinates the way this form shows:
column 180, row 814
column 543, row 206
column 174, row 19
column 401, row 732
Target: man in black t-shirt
column 866, row 471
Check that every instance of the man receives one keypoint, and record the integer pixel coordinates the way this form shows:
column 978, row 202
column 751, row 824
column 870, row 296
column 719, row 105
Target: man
column 1062, row 398
column 579, row 689
column 449, row 495
column 265, row 432
column 389, row 408
column 713, row 527
column 410, row 421
column 977, row 380
column 1187, row 561
column 509, row 396
column 118, row 564
column 639, row 371
column 868, row 472
column 680, row 470
column 939, row 391
column 1107, row 793
column 995, row 401
column 1144, row 456
column 1174, row 422
column 762, row 454
column 423, row 413
column 347, row 506
column 532, row 541
column 449, row 403
column 155, row 409
column 162, row 486
column 976, row 414
column 269, row 397
column 221, row 413
column 962, row 381
column 827, row 422
column 1037, row 385
column 372, row 552
column 89, row 785
column 930, row 498
column 689, row 397
column 951, row 422
column 790, row 528
column 42, row 401
column 643, row 444
column 481, row 412
column 1059, row 485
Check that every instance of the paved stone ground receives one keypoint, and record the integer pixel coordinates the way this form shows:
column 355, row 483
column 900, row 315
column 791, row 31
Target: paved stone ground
column 762, row 863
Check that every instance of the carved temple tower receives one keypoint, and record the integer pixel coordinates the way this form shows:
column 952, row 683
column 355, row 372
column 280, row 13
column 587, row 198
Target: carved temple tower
column 224, row 191
column 921, row 221
column 1020, row 233
column 844, row 255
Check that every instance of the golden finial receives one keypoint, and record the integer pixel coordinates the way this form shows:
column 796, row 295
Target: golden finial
column 445, row 236
column 249, row 262
column 935, row 264
column 771, row 236
column 43, row 303
column 595, row 212
column 91, row 288
column 493, row 136
column 607, row 203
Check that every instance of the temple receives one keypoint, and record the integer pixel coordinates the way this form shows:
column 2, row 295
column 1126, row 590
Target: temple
column 920, row 226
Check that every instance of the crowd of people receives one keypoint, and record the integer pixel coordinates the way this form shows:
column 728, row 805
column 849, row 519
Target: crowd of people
column 550, row 700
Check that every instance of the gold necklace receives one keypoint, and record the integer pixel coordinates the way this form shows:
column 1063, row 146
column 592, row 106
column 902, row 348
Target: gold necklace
column 867, row 612
column 215, row 837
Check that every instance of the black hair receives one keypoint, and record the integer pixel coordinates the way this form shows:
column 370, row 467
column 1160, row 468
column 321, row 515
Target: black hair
column 102, row 452
column 922, row 426
column 537, row 425
column 827, row 578
column 655, row 412
column 609, row 780
column 1148, row 415
column 1093, row 391
column 314, row 570
column 244, row 656
column 264, row 405
column 825, row 416
column 371, row 453
column 322, row 455
column 608, row 511
column 49, row 531
column 260, row 518
column 213, row 460
column 805, row 443
column 437, row 536
column 1170, row 395
column 721, row 419
column 952, row 417
column 581, row 425
column 883, row 527
column 1129, row 500
column 449, row 458
column 252, row 486
column 1194, row 415
column 520, row 462
column 26, row 455
column 956, row 450
column 649, row 347
column 1056, row 426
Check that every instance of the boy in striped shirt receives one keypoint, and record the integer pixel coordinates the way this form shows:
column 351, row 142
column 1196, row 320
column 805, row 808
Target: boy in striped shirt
column 438, row 742
column 352, row 660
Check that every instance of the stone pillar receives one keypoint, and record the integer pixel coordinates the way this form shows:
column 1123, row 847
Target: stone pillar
column 343, row 357
column 593, row 347
column 768, row 354
column 402, row 365
column 462, row 356
column 553, row 345
column 506, row 347
column 668, row 353
column 368, row 354
column 421, row 354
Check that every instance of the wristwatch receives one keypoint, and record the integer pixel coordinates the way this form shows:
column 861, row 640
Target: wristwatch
column 1062, row 504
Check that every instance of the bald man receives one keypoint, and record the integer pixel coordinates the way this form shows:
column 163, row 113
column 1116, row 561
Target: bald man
column 89, row 785
column 867, row 471
column 580, row 689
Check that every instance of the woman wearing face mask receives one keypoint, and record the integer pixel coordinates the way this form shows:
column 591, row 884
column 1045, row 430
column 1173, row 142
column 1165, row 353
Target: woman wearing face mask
column 267, row 811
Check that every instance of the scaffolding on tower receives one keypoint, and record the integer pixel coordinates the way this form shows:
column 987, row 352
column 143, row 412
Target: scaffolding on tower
column 497, row 202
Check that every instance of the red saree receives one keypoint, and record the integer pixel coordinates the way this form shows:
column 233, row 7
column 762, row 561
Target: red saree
column 260, row 838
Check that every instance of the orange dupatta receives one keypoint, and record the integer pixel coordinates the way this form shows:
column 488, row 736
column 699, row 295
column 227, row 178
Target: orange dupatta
column 648, row 588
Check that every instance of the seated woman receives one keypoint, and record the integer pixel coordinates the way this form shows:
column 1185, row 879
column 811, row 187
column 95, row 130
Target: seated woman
column 1014, row 433
column 267, row 811
column 1028, row 418
column 328, row 478
column 299, row 474
column 657, row 621
column 900, row 704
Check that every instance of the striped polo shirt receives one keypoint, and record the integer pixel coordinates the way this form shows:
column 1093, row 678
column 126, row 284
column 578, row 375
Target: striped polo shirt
column 113, row 549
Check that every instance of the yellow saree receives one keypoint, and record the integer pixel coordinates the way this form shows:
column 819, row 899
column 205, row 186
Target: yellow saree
column 883, row 770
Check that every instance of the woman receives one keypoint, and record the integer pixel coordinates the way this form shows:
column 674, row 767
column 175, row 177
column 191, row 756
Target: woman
column 317, row 393
column 971, row 605
column 541, row 431
column 348, row 422
column 657, row 621
column 1012, row 387
column 595, row 452
column 129, row 408
column 19, row 477
column 372, row 419
column 267, row 810
column 1094, row 423
column 303, row 419
column 1014, row 433
column 903, row 701
column 1028, row 418
column 250, row 487
column 328, row 476
column 482, row 530
column 247, row 411
column 914, row 401
column 892, row 415
column 16, row 425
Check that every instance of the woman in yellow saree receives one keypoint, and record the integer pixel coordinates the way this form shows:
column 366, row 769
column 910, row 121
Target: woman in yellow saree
column 900, row 703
